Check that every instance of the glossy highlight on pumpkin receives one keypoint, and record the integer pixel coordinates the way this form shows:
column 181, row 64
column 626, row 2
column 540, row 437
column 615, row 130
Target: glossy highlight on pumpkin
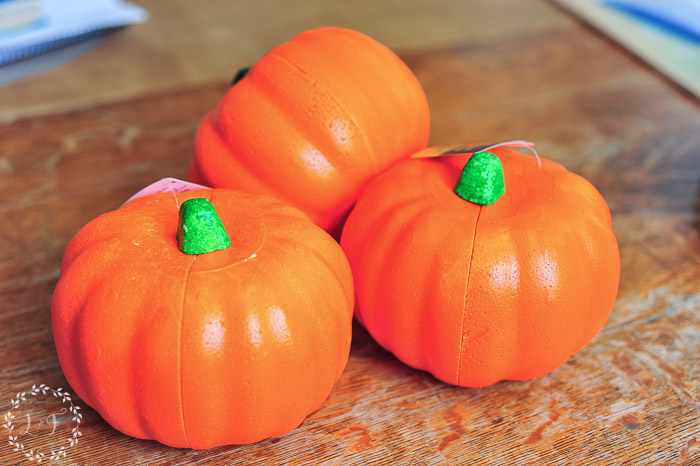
column 312, row 122
column 226, row 347
column 476, row 294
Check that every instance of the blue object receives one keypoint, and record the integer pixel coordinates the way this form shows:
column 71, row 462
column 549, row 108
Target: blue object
column 67, row 22
column 678, row 17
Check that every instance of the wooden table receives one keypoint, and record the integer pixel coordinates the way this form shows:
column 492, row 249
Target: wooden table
column 632, row 396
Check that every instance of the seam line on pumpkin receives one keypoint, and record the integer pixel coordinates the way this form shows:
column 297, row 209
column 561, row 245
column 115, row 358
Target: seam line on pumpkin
column 179, row 344
column 466, row 293
column 326, row 92
column 182, row 315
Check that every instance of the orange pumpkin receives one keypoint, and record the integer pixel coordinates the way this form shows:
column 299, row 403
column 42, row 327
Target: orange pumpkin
column 312, row 122
column 225, row 347
column 479, row 293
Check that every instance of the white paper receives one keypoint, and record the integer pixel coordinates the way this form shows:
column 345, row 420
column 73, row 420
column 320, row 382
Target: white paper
column 65, row 22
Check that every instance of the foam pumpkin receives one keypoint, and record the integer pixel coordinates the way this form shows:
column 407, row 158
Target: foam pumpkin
column 482, row 268
column 312, row 122
column 204, row 318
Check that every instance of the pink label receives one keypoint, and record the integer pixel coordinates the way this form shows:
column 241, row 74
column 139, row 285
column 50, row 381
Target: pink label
column 167, row 185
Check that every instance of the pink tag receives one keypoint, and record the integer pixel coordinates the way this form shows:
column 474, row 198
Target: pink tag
column 473, row 150
column 167, row 185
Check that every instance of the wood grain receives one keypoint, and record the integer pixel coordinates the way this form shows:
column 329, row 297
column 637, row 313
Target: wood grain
column 186, row 43
column 632, row 396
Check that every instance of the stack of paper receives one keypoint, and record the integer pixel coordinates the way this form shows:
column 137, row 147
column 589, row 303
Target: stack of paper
column 32, row 27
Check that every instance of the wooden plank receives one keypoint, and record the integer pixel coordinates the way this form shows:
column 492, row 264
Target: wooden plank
column 187, row 43
column 633, row 395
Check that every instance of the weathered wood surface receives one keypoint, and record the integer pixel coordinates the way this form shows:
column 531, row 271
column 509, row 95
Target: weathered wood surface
column 632, row 396
column 186, row 43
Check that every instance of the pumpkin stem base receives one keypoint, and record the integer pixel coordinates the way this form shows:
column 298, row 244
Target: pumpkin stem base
column 481, row 181
column 200, row 229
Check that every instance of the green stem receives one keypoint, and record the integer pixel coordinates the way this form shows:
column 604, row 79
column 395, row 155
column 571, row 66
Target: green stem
column 481, row 181
column 200, row 229
column 240, row 75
